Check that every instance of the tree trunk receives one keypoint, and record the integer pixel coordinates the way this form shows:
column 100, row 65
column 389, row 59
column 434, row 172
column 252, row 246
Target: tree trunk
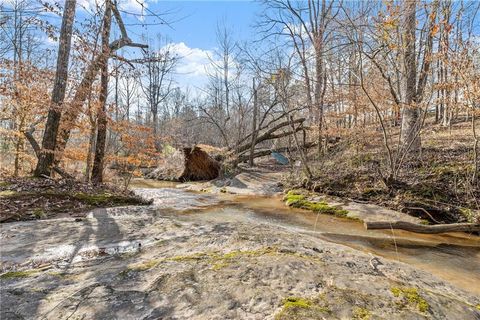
column 18, row 154
column 411, row 114
column 97, row 170
column 47, row 156
column 91, row 149
column 254, row 124
column 420, row 228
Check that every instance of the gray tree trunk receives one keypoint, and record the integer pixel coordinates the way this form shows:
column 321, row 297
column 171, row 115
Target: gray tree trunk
column 411, row 113
column 46, row 158
column 97, row 170
column 254, row 124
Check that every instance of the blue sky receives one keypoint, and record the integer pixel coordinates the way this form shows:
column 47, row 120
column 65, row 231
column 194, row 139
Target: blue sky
column 192, row 31
column 198, row 20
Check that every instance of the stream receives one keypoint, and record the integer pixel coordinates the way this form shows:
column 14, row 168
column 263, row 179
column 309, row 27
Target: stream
column 453, row 257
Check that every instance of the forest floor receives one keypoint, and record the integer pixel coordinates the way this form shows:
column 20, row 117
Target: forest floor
column 200, row 256
column 30, row 198
column 436, row 187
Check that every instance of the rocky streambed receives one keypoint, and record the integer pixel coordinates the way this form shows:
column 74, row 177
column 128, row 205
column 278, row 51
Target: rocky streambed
column 202, row 256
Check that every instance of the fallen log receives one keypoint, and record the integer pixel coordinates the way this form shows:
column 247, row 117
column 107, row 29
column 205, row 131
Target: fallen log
column 270, row 134
column 262, row 153
column 420, row 228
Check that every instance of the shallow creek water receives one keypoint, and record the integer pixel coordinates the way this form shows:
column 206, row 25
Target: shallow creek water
column 453, row 257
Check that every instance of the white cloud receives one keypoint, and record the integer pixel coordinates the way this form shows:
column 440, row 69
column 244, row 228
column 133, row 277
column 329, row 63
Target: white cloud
column 134, row 6
column 193, row 67
column 194, row 62
column 196, row 65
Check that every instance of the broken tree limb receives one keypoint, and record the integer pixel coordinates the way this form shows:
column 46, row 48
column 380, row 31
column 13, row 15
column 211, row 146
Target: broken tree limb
column 262, row 153
column 420, row 228
column 268, row 135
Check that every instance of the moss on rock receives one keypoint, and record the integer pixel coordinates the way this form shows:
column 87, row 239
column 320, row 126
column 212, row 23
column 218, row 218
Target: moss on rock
column 412, row 297
column 303, row 308
column 18, row 274
column 298, row 199
column 361, row 314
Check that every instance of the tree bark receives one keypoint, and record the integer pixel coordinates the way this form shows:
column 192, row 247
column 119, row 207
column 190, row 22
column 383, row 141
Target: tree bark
column 268, row 135
column 420, row 228
column 47, row 156
column 411, row 113
column 97, row 170
column 254, row 124
column 262, row 153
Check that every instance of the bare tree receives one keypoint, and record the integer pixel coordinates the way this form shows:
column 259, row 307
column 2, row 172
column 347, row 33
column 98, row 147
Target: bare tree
column 84, row 87
column 47, row 156
column 157, row 81
column 411, row 113
column 97, row 170
column 307, row 25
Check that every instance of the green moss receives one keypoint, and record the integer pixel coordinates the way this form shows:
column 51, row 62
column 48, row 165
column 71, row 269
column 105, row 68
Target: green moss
column 143, row 266
column 102, row 199
column 7, row 193
column 294, row 199
column 412, row 297
column 302, row 308
column 295, row 302
column 478, row 307
column 219, row 265
column 139, row 267
column 193, row 257
column 361, row 314
column 18, row 274
column 39, row 213
column 216, row 260
column 5, row 184
column 469, row 214
column 220, row 261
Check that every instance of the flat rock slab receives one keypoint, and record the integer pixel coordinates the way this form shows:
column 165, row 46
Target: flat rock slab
column 171, row 198
column 205, row 269
column 255, row 183
column 366, row 211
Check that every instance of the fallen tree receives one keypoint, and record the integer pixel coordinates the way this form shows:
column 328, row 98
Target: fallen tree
column 189, row 164
column 420, row 228
column 262, row 153
column 198, row 165
column 270, row 134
